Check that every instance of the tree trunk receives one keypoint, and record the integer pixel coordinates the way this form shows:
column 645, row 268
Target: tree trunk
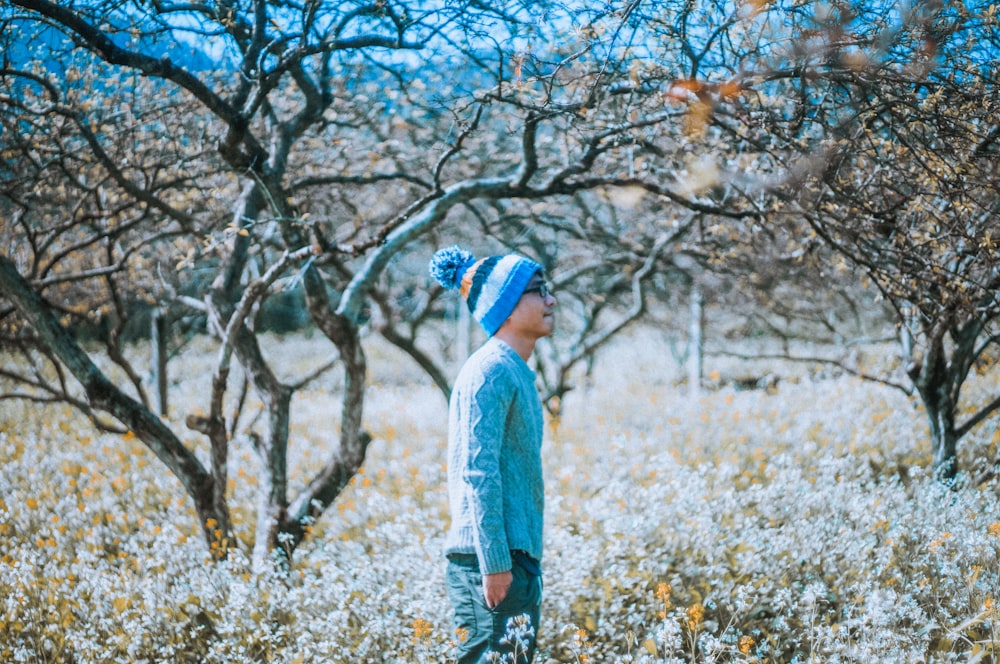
column 348, row 459
column 696, row 343
column 272, row 449
column 158, row 360
column 944, row 440
column 931, row 381
column 906, row 340
column 938, row 379
column 272, row 505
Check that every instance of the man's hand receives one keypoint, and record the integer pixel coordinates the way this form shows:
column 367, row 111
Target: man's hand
column 495, row 587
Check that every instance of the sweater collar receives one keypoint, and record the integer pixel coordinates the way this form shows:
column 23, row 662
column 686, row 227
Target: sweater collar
column 505, row 347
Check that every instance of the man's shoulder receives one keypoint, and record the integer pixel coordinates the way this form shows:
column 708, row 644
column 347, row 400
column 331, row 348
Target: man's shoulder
column 490, row 361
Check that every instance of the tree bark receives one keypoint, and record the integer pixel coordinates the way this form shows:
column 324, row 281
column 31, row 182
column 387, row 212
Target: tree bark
column 938, row 379
column 695, row 342
column 158, row 360
column 348, row 459
column 931, row 381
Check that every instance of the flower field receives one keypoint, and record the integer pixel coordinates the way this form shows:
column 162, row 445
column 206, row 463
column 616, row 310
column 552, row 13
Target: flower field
column 798, row 524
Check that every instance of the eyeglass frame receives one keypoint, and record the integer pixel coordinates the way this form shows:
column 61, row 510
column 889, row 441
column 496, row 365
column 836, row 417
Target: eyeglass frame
column 544, row 289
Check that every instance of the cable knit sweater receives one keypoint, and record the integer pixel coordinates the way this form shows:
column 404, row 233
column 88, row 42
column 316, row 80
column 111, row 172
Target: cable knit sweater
column 494, row 459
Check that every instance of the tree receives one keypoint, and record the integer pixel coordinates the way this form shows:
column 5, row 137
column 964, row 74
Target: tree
column 313, row 152
column 909, row 193
column 867, row 129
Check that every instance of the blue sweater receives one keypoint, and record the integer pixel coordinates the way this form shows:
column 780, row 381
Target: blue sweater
column 494, row 459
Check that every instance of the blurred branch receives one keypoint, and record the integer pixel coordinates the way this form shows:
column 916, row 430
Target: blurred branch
column 846, row 368
column 308, row 378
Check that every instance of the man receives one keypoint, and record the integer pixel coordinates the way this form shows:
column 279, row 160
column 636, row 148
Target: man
column 494, row 544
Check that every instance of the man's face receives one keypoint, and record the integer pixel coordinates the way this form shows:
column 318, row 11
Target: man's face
column 534, row 315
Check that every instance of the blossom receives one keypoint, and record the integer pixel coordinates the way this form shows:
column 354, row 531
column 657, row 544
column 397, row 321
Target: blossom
column 695, row 615
column 421, row 628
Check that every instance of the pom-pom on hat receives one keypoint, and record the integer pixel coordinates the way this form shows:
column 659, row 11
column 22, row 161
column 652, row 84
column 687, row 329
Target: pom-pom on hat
column 491, row 286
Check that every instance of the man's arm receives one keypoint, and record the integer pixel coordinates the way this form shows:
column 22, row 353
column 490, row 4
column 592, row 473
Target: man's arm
column 486, row 410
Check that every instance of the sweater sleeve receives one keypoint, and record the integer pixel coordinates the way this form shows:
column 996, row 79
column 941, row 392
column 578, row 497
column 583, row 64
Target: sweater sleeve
column 486, row 417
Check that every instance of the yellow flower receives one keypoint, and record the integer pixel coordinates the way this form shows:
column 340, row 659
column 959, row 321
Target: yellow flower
column 746, row 643
column 663, row 591
column 994, row 529
column 695, row 615
column 663, row 594
column 421, row 628
column 936, row 544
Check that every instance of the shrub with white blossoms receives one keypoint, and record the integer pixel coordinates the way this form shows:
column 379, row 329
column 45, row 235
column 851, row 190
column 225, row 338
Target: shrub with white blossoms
column 739, row 527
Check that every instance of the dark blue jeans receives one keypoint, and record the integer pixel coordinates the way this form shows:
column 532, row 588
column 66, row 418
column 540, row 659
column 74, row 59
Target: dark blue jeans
column 511, row 627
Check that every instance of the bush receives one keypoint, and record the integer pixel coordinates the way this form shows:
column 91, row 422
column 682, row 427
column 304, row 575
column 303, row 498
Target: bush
column 745, row 526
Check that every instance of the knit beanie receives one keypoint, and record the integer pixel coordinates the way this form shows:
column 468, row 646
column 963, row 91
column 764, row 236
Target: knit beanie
column 491, row 286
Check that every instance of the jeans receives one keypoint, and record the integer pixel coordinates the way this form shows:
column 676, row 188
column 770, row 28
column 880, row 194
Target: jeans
column 510, row 628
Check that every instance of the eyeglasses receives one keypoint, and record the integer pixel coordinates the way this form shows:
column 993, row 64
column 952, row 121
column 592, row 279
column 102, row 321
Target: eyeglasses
column 543, row 289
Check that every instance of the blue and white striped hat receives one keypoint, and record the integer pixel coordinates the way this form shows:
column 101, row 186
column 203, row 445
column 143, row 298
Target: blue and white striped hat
column 491, row 286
